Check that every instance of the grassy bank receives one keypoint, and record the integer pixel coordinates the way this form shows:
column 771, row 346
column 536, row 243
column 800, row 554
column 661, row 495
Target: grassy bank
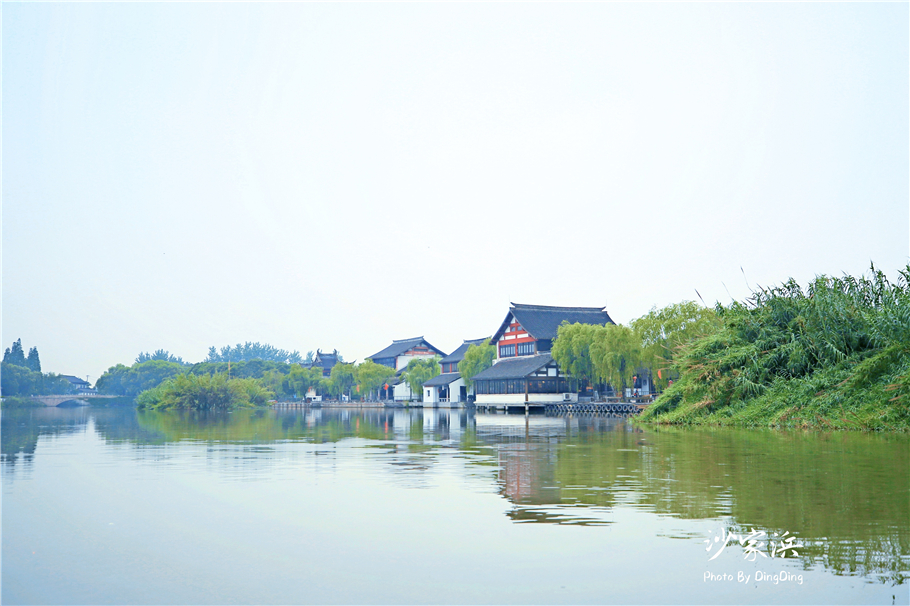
column 835, row 355
column 19, row 402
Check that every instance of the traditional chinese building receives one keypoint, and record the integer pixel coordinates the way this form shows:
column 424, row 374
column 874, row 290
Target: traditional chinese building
column 397, row 355
column 449, row 387
column 530, row 329
column 80, row 385
column 524, row 371
column 325, row 361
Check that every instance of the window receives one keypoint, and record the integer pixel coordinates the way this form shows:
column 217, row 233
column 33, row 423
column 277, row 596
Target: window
column 500, row 386
column 526, row 349
column 506, row 351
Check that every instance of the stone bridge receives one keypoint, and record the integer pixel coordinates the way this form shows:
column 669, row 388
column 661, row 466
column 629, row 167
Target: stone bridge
column 79, row 399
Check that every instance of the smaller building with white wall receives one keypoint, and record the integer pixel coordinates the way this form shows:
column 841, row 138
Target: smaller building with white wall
column 522, row 380
column 397, row 355
column 448, row 388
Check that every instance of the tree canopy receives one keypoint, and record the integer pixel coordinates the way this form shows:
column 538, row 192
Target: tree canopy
column 341, row 380
column 22, row 376
column 476, row 359
column 371, row 375
column 662, row 332
column 159, row 354
column 204, row 392
column 612, row 353
column 15, row 355
column 253, row 351
column 419, row 371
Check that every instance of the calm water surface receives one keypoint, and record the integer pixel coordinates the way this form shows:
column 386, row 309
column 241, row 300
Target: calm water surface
column 108, row 505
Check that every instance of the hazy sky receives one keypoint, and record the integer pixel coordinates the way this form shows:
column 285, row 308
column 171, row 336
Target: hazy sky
column 340, row 175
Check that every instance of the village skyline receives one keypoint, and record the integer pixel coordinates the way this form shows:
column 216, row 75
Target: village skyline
column 181, row 176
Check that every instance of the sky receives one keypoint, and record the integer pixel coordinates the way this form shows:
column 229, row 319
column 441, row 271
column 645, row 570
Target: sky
column 336, row 176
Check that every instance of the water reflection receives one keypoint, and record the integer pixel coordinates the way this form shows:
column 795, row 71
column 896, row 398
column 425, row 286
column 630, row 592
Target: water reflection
column 845, row 495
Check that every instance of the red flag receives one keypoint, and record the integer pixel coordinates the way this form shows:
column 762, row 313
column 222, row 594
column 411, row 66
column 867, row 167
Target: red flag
column 658, row 374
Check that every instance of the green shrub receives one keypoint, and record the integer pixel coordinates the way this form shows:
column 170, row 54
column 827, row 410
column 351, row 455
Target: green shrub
column 204, row 392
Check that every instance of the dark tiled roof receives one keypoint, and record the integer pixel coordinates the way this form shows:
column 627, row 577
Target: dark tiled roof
column 325, row 360
column 514, row 368
column 443, row 379
column 74, row 380
column 458, row 355
column 399, row 347
column 542, row 321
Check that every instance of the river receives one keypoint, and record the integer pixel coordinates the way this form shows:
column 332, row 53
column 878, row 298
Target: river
column 352, row 506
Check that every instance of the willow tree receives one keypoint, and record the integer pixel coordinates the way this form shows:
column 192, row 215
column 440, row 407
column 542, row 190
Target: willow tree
column 370, row 376
column 662, row 332
column 615, row 354
column 572, row 350
column 600, row 354
column 477, row 359
column 300, row 380
column 419, row 371
column 341, row 380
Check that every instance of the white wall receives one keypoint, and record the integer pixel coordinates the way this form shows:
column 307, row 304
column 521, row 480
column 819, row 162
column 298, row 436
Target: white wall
column 402, row 391
column 402, row 361
column 519, row 398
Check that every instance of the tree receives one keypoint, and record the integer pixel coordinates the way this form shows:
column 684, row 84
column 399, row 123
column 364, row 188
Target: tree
column 419, row 371
column 572, row 350
column 14, row 355
column 300, row 380
column 371, row 375
column 602, row 354
column 615, row 354
column 33, row 362
column 661, row 332
column 159, row 354
column 477, row 358
column 121, row 380
column 341, row 379
column 205, row 392
column 253, row 351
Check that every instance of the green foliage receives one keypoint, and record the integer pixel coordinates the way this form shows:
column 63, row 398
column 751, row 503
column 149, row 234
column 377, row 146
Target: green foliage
column 253, row 351
column 370, row 376
column 419, row 371
column 836, row 354
column 661, row 332
column 341, row 380
column 300, row 380
column 123, row 380
column 19, row 380
column 131, row 380
column 599, row 354
column 615, row 353
column 160, row 354
column 204, row 392
column 15, row 355
column 252, row 369
column 19, row 402
column 33, row 361
column 477, row 358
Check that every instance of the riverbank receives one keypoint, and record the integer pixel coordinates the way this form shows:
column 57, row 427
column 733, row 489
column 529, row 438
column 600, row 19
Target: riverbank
column 833, row 356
